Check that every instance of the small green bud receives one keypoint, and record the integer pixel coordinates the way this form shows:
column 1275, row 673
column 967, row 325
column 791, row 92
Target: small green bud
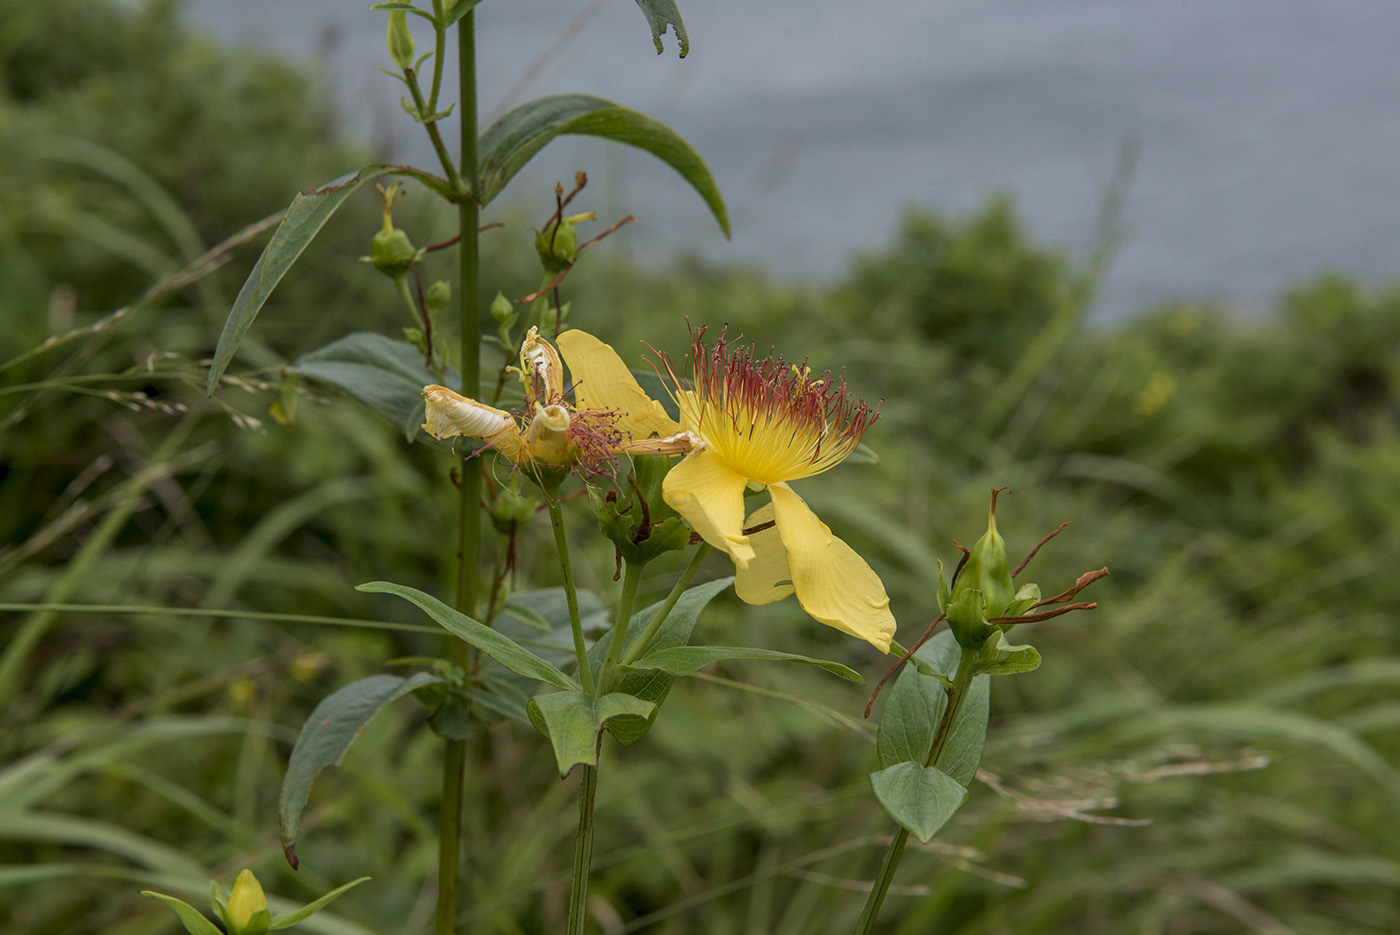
column 438, row 296
column 510, row 510
column 502, row 309
column 247, row 906
column 400, row 39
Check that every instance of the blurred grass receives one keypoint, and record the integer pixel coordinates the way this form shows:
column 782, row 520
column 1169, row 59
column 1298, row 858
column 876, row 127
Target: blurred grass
column 1213, row 750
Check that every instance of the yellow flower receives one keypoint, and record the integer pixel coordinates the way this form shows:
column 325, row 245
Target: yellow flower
column 765, row 422
column 610, row 414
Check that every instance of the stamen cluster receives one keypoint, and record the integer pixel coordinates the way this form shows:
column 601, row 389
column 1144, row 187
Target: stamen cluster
column 769, row 420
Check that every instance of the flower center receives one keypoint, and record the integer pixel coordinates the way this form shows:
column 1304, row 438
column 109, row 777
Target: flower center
column 766, row 419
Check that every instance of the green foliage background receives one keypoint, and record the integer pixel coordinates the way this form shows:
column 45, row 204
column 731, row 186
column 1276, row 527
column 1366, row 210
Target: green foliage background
column 1214, row 750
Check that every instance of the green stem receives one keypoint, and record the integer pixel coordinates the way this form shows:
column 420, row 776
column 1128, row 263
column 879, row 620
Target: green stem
column 583, row 851
column 631, row 577
column 439, row 47
column 640, row 644
column 957, row 694
column 469, row 500
column 439, row 146
column 561, row 544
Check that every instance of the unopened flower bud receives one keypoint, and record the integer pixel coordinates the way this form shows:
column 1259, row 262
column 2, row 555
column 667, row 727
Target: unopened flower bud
column 510, row 510
column 247, row 906
column 549, row 434
column 400, row 39
column 438, row 296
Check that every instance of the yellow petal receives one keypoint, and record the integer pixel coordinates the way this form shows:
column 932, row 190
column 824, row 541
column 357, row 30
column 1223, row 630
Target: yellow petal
column 833, row 583
column 450, row 414
column 767, row 578
column 602, row 381
column 711, row 498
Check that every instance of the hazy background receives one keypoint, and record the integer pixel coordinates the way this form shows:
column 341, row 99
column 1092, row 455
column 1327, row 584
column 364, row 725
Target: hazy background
column 1268, row 128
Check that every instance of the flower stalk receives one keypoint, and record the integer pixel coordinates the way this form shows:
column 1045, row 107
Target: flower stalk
column 957, row 694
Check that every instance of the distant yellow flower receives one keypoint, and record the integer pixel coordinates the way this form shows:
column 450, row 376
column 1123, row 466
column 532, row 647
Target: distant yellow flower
column 610, row 414
column 766, row 422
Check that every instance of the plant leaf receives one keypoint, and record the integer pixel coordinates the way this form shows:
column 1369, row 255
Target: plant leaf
column 651, row 684
column 510, row 143
column 920, row 800
column 683, row 660
column 915, row 706
column 504, row 650
column 572, row 721
column 308, row 213
column 659, row 13
column 328, row 733
column 1011, row 659
column 292, row 918
column 193, row 920
column 384, row 374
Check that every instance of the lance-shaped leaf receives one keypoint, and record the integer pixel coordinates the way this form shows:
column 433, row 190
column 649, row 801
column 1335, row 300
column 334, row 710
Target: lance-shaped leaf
column 504, row 650
column 308, row 213
column 191, row 918
column 328, row 733
column 510, row 143
column 287, row 920
column 572, row 721
column 683, row 660
column 917, row 798
column 659, row 13
column 382, row 373
column 651, row 684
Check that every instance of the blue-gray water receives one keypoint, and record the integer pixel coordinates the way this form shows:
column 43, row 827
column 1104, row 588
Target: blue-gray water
column 1269, row 130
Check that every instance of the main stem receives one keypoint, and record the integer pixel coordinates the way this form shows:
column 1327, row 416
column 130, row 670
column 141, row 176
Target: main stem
column 956, row 695
column 468, row 513
column 583, row 851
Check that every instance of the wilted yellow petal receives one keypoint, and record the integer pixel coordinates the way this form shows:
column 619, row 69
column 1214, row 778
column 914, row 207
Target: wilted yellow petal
column 767, row 579
column 450, row 414
column 541, row 369
column 678, row 444
column 602, row 381
column 832, row 582
column 711, row 498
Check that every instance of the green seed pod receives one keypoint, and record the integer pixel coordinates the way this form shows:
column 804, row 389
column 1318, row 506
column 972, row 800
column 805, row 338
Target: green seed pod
column 400, row 39
column 391, row 252
column 988, row 570
column 557, row 246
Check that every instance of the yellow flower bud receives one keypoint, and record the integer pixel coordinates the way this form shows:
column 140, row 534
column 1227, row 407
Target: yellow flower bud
column 246, row 901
